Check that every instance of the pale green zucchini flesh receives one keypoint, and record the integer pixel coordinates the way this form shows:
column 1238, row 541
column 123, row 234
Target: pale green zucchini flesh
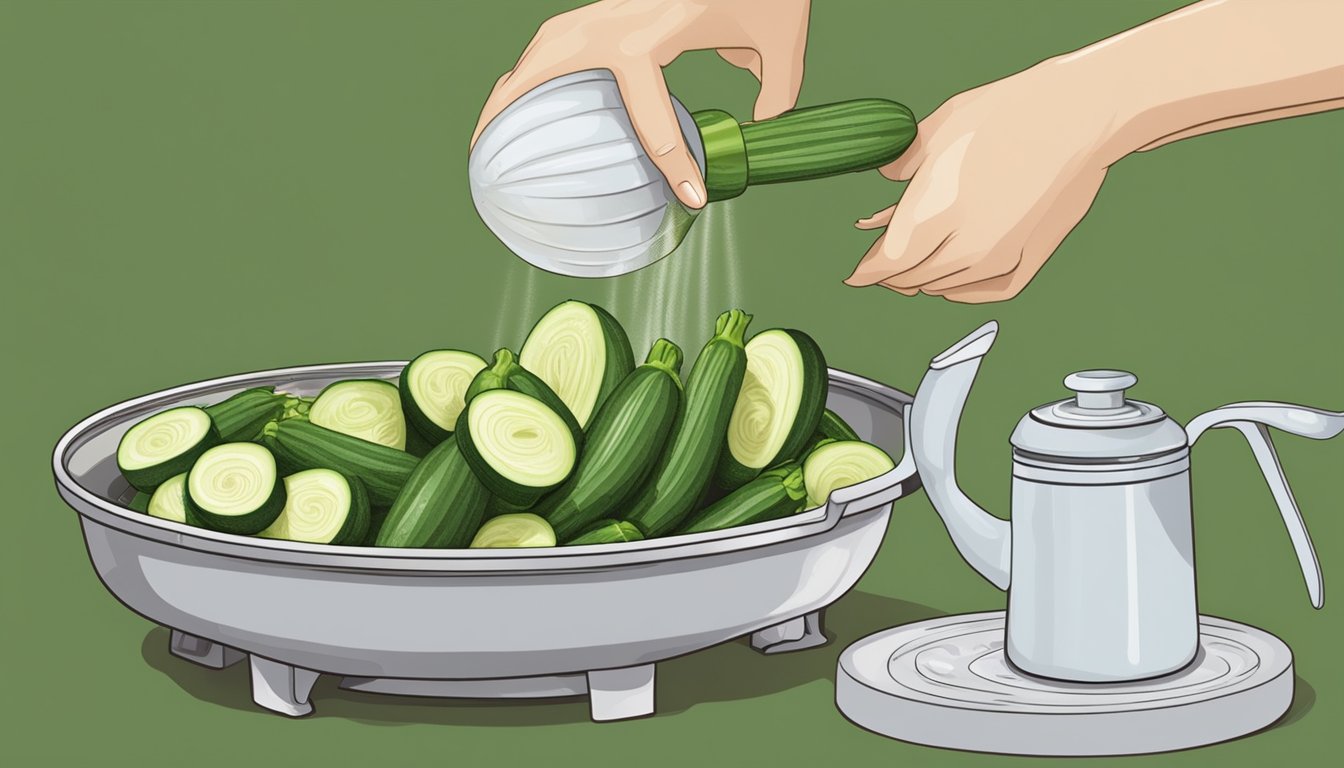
column 369, row 409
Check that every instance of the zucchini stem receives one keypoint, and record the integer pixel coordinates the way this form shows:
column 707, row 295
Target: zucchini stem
column 667, row 356
column 732, row 326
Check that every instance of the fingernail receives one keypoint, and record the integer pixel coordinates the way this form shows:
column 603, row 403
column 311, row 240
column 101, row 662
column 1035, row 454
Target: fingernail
column 690, row 193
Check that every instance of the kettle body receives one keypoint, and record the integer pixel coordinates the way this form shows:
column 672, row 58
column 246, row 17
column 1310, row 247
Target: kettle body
column 1098, row 557
column 1103, row 572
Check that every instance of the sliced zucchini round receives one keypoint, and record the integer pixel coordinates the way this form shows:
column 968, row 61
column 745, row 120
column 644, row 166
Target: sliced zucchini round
column 369, row 409
column 164, row 445
column 840, row 464
column 581, row 352
column 778, row 407
column 517, row 530
column 322, row 506
column 517, row 446
column 433, row 391
column 169, row 501
column 235, row 488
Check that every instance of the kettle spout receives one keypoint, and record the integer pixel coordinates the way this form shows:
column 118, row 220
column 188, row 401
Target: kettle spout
column 983, row 540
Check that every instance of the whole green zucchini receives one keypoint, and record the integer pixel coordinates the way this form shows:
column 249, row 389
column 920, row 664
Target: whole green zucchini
column 774, row 494
column 687, row 466
column 441, row 505
column 624, row 442
column 242, row 416
column 299, row 444
column 833, row 427
column 608, row 532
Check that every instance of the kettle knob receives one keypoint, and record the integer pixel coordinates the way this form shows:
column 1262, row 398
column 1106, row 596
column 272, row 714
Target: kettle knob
column 1100, row 390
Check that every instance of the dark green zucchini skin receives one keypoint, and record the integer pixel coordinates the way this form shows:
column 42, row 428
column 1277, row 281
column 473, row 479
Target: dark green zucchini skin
column 358, row 519
column 608, row 532
column 620, row 357
column 686, row 467
column 377, row 515
column 299, row 444
column 497, row 506
column 441, row 505
column 826, row 140
column 625, row 440
column 833, row 427
column 139, row 502
column 506, row 373
column 417, row 444
column 242, row 416
column 255, row 521
column 731, row 473
column 774, row 494
column 148, row 479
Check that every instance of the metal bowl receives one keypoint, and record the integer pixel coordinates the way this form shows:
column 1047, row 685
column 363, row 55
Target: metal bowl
column 523, row 622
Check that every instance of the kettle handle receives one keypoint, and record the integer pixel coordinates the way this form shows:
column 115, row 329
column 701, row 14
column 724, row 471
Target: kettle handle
column 1253, row 420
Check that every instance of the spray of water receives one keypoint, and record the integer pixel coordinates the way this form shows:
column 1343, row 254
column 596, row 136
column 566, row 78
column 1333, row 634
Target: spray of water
column 678, row 297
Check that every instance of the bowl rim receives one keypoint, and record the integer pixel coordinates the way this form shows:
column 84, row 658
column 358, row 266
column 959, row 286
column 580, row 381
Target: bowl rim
column 858, row 500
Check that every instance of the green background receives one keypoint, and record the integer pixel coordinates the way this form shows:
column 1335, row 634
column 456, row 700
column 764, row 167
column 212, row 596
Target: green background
column 193, row 189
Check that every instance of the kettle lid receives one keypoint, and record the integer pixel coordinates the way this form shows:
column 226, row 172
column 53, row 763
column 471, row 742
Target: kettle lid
column 1098, row 422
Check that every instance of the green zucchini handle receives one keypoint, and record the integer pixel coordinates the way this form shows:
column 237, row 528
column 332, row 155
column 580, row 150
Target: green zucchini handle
column 808, row 143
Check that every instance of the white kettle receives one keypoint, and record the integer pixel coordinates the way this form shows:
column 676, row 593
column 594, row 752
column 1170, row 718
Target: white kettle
column 1098, row 558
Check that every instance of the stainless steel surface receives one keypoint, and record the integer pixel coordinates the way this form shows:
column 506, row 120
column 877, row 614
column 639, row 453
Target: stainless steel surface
column 1099, row 552
column 561, row 179
column 944, row 682
column 469, row 614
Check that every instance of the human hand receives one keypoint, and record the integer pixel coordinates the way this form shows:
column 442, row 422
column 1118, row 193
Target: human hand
column 999, row 176
column 635, row 39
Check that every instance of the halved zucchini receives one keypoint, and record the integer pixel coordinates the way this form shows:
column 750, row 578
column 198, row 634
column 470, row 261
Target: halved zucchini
column 169, row 501
column 235, row 488
column 518, row 530
column 581, row 352
column 322, row 506
column 164, row 445
column 517, row 446
column 839, row 464
column 778, row 407
column 506, row 373
column 433, row 389
column 369, row 409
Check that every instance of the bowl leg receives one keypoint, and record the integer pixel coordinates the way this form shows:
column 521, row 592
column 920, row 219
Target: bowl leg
column 620, row 694
column 280, row 687
column 207, row 653
column 795, row 634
